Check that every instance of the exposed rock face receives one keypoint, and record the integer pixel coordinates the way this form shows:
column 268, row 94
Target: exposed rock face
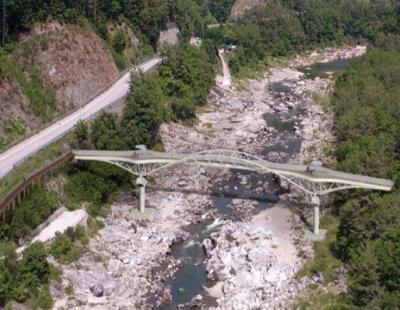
column 15, row 105
column 241, row 6
column 169, row 36
column 132, row 44
column 73, row 61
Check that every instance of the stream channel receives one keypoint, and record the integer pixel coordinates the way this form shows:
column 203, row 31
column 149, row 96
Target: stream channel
column 191, row 277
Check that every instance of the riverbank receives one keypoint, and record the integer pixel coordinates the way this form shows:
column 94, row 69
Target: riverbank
column 235, row 119
column 129, row 260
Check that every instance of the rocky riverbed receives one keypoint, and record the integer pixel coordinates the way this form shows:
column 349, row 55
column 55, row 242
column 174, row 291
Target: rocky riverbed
column 251, row 258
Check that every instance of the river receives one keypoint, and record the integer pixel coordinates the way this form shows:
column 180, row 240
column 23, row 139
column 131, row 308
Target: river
column 191, row 278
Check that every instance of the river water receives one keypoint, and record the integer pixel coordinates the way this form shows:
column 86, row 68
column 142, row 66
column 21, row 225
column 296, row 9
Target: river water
column 325, row 69
column 191, row 277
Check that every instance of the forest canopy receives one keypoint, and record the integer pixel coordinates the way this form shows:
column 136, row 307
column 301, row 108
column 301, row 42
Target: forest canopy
column 368, row 133
column 147, row 17
column 281, row 28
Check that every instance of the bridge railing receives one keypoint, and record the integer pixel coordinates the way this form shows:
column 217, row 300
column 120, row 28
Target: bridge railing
column 10, row 197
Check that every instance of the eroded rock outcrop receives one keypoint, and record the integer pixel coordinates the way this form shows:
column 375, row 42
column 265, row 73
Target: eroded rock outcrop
column 73, row 61
column 241, row 6
column 15, row 106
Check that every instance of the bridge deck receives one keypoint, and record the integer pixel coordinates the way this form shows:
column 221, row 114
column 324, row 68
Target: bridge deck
column 233, row 159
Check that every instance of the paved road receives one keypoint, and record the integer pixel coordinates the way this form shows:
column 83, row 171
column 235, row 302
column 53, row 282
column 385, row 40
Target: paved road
column 21, row 151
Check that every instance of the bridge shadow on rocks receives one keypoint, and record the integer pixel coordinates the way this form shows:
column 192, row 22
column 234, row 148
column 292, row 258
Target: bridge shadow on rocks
column 261, row 197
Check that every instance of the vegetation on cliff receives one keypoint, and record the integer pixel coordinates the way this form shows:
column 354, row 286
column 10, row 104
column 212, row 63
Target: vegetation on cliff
column 42, row 98
column 25, row 280
column 368, row 133
column 281, row 28
column 147, row 17
column 363, row 226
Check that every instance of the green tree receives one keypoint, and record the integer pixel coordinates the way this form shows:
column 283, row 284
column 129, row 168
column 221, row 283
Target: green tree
column 137, row 78
column 33, row 210
column 364, row 277
column 34, row 269
column 64, row 249
column 388, row 253
column 8, row 268
column 81, row 132
column 119, row 41
column 144, row 113
column 184, row 108
column 105, row 132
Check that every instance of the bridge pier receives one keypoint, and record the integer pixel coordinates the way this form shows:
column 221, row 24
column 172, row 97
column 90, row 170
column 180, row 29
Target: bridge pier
column 316, row 234
column 315, row 201
column 141, row 182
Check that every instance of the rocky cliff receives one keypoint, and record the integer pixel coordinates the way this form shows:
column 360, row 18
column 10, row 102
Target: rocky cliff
column 241, row 6
column 14, row 109
column 73, row 61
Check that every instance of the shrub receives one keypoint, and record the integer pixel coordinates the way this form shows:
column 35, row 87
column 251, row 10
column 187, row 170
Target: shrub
column 119, row 41
column 44, row 299
column 33, row 210
column 33, row 269
column 42, row 99
column 64, row 249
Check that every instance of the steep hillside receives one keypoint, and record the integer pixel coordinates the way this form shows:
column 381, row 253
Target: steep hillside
column 55, row 69
column 73, row 61
column 16, row 115
column 123, row 43
column 241, row 6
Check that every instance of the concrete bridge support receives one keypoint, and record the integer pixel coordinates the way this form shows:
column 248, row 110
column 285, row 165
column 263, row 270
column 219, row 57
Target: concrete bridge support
column 315, row 201
column 316, row 234
column 141, row 182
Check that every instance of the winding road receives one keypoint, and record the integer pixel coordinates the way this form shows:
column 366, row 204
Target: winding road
column 18, row 153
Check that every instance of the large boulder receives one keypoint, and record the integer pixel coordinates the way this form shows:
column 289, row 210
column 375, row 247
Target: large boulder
column 97, row 290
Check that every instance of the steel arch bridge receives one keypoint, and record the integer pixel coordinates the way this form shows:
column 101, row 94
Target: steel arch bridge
column 312, row 179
